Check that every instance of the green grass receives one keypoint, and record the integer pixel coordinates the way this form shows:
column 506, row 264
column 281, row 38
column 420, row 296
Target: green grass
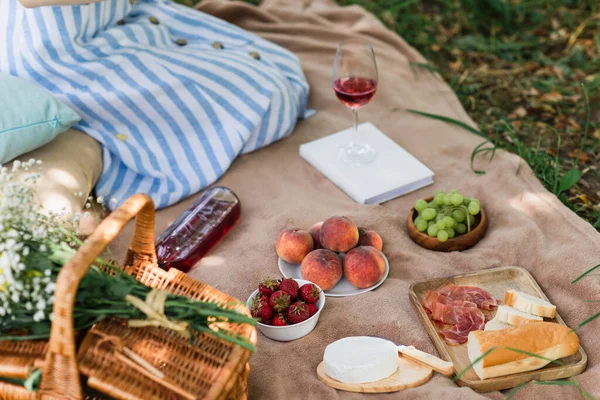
column 521, row 69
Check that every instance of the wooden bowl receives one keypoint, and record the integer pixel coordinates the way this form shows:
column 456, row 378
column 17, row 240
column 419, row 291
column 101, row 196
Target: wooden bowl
column 457, row 243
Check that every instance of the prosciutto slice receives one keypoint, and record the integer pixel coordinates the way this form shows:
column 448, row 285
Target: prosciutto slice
column 457, row 309
column 471, row 320
column 483, row 299
column 436, row 297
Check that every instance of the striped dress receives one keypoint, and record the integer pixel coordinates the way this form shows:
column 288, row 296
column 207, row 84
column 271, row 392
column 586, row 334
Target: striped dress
column 172, row 94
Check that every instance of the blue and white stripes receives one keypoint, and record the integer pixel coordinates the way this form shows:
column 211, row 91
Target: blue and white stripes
column 173, row 95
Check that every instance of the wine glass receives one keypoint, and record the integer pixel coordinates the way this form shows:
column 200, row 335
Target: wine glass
column 354, row 83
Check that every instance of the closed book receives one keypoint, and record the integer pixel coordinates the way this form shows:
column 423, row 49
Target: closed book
column 394, row 171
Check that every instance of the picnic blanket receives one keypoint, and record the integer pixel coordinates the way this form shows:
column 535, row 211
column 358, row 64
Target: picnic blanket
column 529, row 227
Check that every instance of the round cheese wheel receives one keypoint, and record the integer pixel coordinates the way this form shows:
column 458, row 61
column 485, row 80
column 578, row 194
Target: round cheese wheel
column 360, row 359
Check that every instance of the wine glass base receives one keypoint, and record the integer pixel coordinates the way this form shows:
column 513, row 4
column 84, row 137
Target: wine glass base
column 357, row 154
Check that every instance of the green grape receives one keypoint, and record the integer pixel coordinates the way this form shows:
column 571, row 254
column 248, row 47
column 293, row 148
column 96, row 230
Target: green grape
column 451, row 232
column 473, row 208
column 430, row 223
column 458, row 215
column 461, row 228
column 441, row 224
column 421, row 225
column 428, row 214
column 476, row 201
column 420, row 205
column 471, row 220
column 418, row 219
column 439, row 197
column 457, row 199
column 439, row 217
column 449, row 222
column 432, row 230
column 442, row 235
column 448, row 199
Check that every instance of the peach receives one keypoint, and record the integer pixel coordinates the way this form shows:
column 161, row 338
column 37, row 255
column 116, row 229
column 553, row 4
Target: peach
column 364, row 266
column 315, row 232
column 368, row 237
column 293, row 245
column 322, row 267
column 338, row 234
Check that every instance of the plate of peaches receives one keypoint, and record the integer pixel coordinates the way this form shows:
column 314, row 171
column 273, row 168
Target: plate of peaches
column 341, row 258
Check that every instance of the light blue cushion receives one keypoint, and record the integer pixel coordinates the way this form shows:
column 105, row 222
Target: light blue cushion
column 29, row 117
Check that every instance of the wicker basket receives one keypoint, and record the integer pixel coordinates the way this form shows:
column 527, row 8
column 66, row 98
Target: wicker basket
column 172, row 367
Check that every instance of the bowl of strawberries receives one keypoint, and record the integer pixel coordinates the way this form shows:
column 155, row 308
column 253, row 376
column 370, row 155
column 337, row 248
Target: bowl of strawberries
column 286, row 309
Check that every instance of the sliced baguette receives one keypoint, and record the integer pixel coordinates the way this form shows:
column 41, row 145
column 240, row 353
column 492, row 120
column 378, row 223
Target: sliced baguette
column 513, row 316
column 529, row 304
column 546, row 339
column 495, row 325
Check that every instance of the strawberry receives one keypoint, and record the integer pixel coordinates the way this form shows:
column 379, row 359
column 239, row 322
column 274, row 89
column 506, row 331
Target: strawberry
column 279, row 301
column 268, row 286
column 290, row 286
column 264, row 298
column 297, row 312
column 278, row 320
column 312, row 308
column 261, row 310
column 309, row 293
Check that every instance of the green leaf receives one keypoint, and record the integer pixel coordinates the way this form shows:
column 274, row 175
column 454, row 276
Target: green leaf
column 450, row 121
column 33, row 381
column 568, row 180
column 585, row 273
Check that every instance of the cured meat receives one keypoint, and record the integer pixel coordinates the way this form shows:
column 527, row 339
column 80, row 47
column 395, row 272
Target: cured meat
column 471, row 320
column 434, row 296
column 483, row 299
column 460, row 307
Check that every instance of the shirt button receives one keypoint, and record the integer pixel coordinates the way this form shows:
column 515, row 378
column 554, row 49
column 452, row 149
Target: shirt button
column 218, row 45
column 121, row 22
column 153, row 20
column 255, row 55
column 132, row 2
column 181, row 42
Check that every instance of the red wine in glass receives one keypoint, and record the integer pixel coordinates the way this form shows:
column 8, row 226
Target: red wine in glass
column 354, row 92
column 354, row 80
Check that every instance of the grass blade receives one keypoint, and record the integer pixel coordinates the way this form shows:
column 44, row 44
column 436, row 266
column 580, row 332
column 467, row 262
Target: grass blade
column 468, row 367
column 450, row 121
column 586, row 273
column 590, row 319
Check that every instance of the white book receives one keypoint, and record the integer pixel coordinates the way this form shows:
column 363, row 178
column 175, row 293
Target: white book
column 393, row 173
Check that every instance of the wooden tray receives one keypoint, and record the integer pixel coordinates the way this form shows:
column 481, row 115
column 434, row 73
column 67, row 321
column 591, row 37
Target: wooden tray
column 496, row 281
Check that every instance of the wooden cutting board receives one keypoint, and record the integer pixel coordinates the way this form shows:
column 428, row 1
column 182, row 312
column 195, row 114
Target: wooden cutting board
column 496, row 281
column 408, row 375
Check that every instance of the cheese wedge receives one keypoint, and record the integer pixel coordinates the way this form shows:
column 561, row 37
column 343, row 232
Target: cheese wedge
column 513, row 316
column 529, row 304
column 546, row 339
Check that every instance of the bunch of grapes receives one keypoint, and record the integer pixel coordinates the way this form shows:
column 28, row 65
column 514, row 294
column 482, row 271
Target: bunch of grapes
column 447, row 215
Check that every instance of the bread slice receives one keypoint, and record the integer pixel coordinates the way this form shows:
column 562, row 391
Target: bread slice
column 546, row 339
column 513, row 316
column 495, row 325
column 529, row 304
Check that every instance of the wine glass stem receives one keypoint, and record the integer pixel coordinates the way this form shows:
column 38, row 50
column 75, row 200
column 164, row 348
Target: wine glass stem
column 355, row 139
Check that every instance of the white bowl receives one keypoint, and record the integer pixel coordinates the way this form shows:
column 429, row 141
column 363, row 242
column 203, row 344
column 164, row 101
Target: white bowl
column 288, row 333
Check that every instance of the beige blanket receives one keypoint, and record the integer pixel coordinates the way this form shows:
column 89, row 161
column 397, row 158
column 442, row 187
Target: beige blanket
column 529, row 226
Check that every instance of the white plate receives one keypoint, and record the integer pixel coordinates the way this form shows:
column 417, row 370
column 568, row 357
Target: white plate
column 343, row 287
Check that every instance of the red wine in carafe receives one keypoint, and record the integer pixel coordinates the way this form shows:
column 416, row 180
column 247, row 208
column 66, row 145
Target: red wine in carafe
column 198, row 229
column 354, row 92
